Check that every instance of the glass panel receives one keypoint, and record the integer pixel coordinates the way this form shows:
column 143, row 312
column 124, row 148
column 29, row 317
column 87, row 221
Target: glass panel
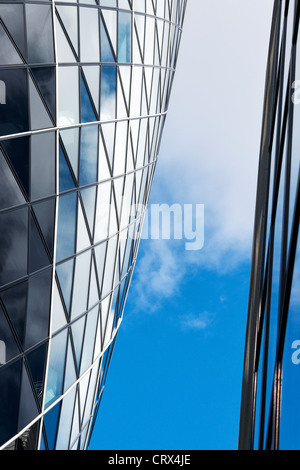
column 83, row 240
column 65, row 178
column 36, row 361
column 56, row 367
column 13, row 18
column 70, row 373
column 39, row 34
column 13, row 245
column 14, row 100
column 110, row 266
column 8, row 53
column 44, row 213
column 90, row 397
column 108, row 92
column 65, row 53
column 68, row 96
column 70, row 138
column 45, row 80
column 89, row 340
column 81, row 281
column 106, row 48
column 9, row 399
column 50, row 423
column 8, row 345
column 15, row 302
column 10, row 194
column 39, row 116
column 77, row 335
column 38, row 307
column 88, row 196
column 66, row 225
column 108, row 3
column 139, row 5
column 38, row 257
column 28, row 408
column 124, row 37
column 87, row 110
column 65, row 422
column 88, row 155
column 65, row 276
column 42, row 165
column 89, row 35
column 68, row 15
column 102, row 212
column 92, row 75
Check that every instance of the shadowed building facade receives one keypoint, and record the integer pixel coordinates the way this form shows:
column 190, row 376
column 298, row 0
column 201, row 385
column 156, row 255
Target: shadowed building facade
column 270, row 411
column 84, row 92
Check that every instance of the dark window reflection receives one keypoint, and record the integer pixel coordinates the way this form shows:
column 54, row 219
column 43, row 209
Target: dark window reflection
column 10, row 194
column 36, row 363
column 14, row 113
column 15, row 303
column 8, row 346
column 13, row 245
column 28, row 409
column 38, row 257
column 44, row 215
column 9, row 399
column 38, row 308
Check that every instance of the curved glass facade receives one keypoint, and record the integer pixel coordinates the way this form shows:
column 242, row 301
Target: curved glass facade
column 84, row 91
column 270, row 410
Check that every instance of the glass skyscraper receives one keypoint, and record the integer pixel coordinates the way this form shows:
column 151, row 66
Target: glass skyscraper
column 270, row 411
column 84, row 92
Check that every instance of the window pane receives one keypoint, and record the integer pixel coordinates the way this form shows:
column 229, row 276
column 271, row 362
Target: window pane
column 124, row 37
column 66, row 225
column 108, row 92
column 56, row 367
column 88, row 155
column 89, row 35
column 39, row 34
column 14, row 99
column 13, row 245
column 68, row 96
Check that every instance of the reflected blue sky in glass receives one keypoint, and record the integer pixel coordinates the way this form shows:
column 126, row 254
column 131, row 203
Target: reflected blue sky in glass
column 88, row 155
column 108, row 92
column 124, row 37
column 87, row 112
column 66, row 225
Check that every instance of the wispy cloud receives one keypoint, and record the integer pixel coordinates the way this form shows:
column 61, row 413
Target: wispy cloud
column 157, row 275
column 199, row 321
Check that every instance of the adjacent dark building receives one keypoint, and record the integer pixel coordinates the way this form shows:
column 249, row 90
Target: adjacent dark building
column 270, row 411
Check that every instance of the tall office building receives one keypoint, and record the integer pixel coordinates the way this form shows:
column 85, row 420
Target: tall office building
column 84, row 91
column 270, row 411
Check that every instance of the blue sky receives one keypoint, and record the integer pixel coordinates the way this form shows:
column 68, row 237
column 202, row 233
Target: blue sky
column 175, row 377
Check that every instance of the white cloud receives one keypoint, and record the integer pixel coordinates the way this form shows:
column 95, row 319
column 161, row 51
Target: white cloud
column 157, row 274
column 199, row 321
column 210, row 147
